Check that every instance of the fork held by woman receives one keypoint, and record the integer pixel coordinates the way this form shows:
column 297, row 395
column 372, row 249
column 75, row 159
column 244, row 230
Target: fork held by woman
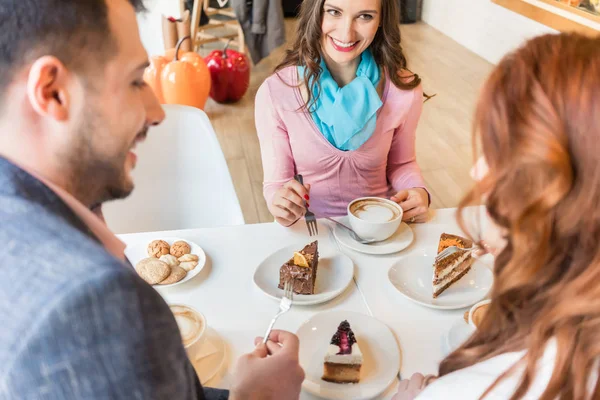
column 309, row 217
column 453, row 249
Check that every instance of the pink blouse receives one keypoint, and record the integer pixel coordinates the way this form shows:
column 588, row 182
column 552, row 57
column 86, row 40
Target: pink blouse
column 291, row 144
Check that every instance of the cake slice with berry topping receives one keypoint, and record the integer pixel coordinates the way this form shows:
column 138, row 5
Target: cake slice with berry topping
column 343, row 359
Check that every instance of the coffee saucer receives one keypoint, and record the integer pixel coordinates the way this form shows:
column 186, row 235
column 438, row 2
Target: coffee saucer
column 458, row 333
column 397, row 242
column 212, row 358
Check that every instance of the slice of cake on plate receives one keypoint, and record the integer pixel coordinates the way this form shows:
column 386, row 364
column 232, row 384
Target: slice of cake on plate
column 450, row 269
column 343, row 359
column 302, row 268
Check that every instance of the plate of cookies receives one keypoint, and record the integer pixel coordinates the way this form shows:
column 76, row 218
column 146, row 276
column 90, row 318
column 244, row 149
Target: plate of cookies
column 166, row 262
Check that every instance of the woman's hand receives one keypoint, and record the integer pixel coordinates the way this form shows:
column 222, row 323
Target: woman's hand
column 287, row 205
column 409, row 389
column 415, row 203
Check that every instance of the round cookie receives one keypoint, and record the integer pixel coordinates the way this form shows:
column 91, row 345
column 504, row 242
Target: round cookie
column 177, row 274
column 158, row 248
column 180, row 248
column 188, row 265
column 170, row 260
column 152, row 270
column 188, row 257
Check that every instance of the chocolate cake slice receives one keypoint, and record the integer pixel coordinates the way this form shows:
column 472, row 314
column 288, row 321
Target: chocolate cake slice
column 302, row 268
column 450, row 269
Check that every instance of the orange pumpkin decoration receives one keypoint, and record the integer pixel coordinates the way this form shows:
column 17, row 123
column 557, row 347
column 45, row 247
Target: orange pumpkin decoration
column 179, row 78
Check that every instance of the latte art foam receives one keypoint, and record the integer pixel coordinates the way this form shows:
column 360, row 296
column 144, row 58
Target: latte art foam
column 190, row 324
column 374, row 211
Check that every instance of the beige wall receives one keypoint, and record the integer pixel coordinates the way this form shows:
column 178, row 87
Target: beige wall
column 481, row 26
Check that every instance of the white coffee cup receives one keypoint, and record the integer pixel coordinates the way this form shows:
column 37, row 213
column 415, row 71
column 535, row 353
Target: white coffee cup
column 473, row 311
column 192, row 327
column 374, row 218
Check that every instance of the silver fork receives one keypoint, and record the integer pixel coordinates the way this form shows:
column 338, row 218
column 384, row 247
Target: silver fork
column 309, row 217
column 284, row 305
column 451, row 250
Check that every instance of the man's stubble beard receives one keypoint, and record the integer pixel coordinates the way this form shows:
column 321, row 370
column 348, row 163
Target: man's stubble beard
column 94, row 178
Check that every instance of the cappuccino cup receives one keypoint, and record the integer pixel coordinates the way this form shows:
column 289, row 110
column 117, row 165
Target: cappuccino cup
column 374, row 218
column 192, row 327
column 477, row 312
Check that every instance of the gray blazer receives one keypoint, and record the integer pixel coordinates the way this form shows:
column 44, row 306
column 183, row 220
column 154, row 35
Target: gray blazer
column 76, row 323
column 263, row 26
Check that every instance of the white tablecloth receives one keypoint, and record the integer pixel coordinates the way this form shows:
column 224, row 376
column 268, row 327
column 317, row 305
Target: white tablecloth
column 234, row 307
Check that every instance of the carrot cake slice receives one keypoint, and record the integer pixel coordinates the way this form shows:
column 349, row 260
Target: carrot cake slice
column 450, row 269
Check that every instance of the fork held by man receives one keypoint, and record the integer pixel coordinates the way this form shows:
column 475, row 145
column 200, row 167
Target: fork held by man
column 284, row 306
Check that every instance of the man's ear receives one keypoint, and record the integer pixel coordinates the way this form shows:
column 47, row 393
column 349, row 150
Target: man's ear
column 47, row 88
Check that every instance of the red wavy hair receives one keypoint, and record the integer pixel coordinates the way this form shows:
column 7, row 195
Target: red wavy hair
column 538, row 126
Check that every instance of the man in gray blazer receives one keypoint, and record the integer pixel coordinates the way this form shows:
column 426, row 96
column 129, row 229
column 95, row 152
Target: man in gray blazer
column 76, row 322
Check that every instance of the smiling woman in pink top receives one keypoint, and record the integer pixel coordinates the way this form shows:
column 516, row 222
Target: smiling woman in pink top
column 341, row 110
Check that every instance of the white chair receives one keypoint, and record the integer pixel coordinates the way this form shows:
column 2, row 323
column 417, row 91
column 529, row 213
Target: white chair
column 181, row 179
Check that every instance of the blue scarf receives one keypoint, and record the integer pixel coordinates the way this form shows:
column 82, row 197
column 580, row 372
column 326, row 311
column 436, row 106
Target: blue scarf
column 347, row 116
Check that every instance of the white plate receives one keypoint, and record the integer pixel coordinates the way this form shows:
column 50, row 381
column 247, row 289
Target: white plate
column 412, row 276
column 458, row 333
column 397, row 242
column 136, row 252
column 207, row 367
column 378, row 344
column 334, row 273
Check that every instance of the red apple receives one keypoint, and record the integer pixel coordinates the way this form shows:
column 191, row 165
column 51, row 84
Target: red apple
column 230, row 73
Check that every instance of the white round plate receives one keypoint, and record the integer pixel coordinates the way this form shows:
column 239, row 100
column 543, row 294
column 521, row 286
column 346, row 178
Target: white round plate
column 138, row 251
column 412, row 275
column 334, row 273
column 377, row 343
column 458, row 333
column 207, row 367
column 397, row 242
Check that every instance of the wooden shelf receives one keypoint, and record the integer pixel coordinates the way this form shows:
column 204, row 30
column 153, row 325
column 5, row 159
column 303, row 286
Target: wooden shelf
column 574, row 10
column 548, row 18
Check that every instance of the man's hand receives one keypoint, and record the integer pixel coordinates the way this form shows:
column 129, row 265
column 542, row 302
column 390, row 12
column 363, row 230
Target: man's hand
column 271, row 371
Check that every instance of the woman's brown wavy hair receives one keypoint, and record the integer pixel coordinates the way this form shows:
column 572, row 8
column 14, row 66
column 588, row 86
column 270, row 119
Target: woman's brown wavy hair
column 538, row 126
column 387, row 51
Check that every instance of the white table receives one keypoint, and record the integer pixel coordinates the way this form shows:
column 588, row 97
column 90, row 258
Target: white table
column 225, row 293
column 419, row 329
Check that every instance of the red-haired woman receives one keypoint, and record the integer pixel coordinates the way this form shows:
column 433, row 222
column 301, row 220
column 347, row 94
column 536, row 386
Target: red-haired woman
column 538, row 125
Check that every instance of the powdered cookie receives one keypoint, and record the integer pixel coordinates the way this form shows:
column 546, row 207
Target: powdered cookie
column 158, row 248
column 177, row 274
column 170, row 260
column 180, row 248
column 188, row 265
column 188, row 257
column 152, row 270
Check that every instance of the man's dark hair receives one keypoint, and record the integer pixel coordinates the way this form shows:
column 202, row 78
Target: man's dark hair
column 75, row 31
